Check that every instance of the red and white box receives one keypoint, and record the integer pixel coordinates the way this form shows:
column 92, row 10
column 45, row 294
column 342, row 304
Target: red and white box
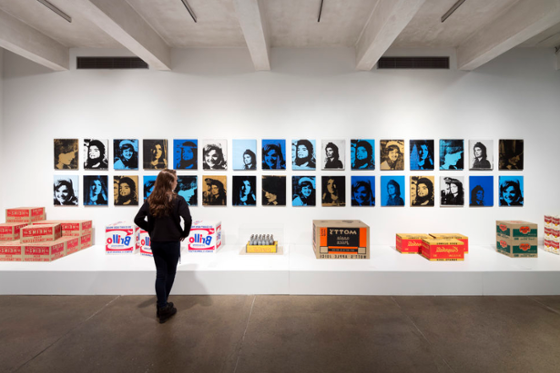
column 443, row 250
column 25, row 214
column 44, row 251
column 552, row 221
column 551, row 234
column 143, row 242
column 72, row 228
column 72, row 244
column 453, row 236
column 40, row 233
column 86, row 241
column 205, row 236
column 11, row 231
column 552, row 246
column 10, row 251
column 120, row 238
column 410, row 243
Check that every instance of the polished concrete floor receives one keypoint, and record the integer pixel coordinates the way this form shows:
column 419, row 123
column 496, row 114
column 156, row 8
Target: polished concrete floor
column 249, row 333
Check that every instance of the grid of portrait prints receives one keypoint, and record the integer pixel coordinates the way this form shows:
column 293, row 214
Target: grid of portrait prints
column 247, row 155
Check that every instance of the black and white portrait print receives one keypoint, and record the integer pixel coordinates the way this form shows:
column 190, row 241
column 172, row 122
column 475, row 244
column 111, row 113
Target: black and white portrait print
column 303, row 191
column 155, row 154
column 66, row 154
column 65, row 190
column 274, row 190
column 214, row 155
column 421, row 155
column 422, row 191
column 333, row 191
column 333, row 154
column 95, row 190
column 244, row 191
column 452, row 191
column 125, row 154
column 95, row 154
column 126, row 190
column 187, row 187
column 511, row 155
column 392, row 155
column 451, row 154
column 481, row 152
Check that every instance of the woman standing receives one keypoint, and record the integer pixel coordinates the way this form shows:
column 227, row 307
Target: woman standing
column 164, row 210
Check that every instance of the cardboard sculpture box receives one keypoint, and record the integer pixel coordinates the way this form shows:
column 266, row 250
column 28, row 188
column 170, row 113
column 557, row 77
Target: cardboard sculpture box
column 85, row 241
column 551, row 234
column 10, row 251
column 44, row 251
column 516, row 230
column 340, row 239
column 25, row 214
column 71, row 228
column 443, row 250
column 262, row 248
column 120, row 238
column 72, row 244
column 205, row 236
column 40, row 233
column 552, row 221
column 409, row 243
column 453, row 236
column 143, row 242
column 552, row 246
column 10, row 231
column 517, row 249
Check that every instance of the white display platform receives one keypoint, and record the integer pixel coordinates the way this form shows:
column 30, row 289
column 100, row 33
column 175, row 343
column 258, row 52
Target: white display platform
column 297, row 271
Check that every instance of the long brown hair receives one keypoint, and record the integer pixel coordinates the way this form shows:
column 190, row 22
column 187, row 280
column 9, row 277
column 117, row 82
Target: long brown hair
column 163, row 195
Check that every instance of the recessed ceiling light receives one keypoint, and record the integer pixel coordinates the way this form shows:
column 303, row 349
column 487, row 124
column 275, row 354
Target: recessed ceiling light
column 56, row 10
column 186, row 4
column 452, row 10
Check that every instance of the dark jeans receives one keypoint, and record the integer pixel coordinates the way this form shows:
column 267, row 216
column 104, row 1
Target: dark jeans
column 166, row 256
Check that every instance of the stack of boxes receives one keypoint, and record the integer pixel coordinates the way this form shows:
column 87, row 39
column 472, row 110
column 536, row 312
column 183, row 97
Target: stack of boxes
column 434, row 246
column 552, row 233
column 517, row 239
column 27, row 236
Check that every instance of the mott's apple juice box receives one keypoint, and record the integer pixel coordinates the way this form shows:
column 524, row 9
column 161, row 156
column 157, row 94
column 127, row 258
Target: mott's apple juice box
column 143, row 242
column 120, row 238
column 205, row 236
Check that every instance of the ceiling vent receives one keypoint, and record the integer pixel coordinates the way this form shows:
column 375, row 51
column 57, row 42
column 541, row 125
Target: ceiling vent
column 413, row 63
column 111, row 63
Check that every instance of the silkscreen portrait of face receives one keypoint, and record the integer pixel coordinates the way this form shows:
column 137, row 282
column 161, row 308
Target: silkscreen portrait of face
column 66, row 154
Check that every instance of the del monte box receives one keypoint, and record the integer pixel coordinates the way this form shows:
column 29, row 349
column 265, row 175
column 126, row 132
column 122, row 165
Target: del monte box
column 340, row 239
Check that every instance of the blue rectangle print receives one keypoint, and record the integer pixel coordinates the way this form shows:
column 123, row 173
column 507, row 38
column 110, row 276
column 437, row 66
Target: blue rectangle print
column 244, row 155
column 392, row 190
column 481, row 191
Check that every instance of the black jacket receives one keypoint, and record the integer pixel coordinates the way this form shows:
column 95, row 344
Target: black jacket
column 166, row 228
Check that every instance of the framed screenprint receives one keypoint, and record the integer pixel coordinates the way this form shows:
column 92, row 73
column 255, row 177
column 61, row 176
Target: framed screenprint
column 422, row 191
column 333, row 154
column 155, row 154
column 362, row 154
column 421, row 155
column 274, row 190
column 451, row 154
column 125, row 152
column 95, row 190
column 303, row 155
column 452, row 192
column 333, row 190
column 148, row 185
column 244, row 191
column 187, row 187
column 185, row 154
column 215, row 190
column 303, row 191
column 126, row 190
column 392, row 155
column 511, row 191
column 244, row 155
column 65, row 190
column 214, row 155
column 66, row 154
column 481, row 154
column 363, row 191
column 96, row 153
column 481, row 191
column 392, row 190
column 274, row 154
column 511, row 155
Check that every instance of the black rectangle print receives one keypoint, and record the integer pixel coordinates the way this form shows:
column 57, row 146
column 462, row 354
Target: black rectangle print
column 345, row 237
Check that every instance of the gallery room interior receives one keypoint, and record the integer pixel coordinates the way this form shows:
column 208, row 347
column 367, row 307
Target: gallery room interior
column 442, row 77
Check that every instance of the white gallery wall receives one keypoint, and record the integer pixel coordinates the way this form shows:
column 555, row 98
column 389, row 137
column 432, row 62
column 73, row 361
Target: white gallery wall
column 2, row 159
column 310, row 93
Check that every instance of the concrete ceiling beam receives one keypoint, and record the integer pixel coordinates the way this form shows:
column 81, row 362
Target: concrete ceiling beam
column 520, row 23
column 118, row 19
column 386, row 22
column 255, row 30
column 21, row 39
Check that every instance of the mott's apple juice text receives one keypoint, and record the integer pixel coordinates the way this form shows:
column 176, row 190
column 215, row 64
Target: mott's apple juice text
column 120, row 239
column 205, row 237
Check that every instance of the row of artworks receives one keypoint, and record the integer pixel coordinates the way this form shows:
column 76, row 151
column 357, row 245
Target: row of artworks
column 304, row 155
column 452, row 191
